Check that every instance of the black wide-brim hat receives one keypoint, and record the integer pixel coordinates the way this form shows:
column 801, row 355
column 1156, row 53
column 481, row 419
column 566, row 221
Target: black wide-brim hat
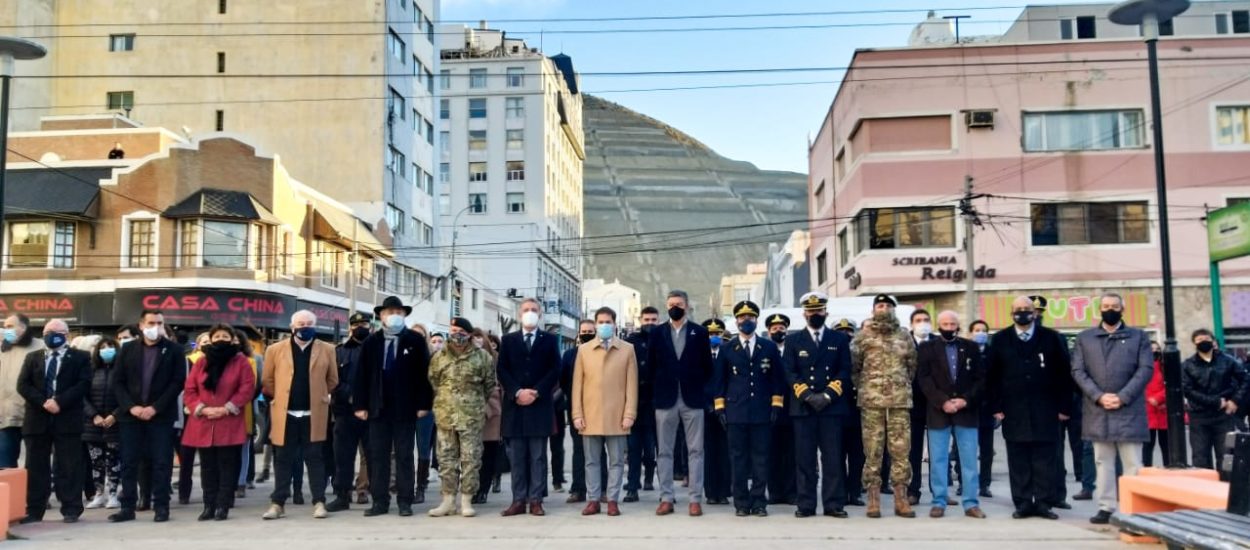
column 392, row 302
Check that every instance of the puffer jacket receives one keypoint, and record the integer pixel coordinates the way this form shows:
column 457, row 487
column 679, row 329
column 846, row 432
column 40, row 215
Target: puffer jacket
column 102, row 401
column 12, row 406
column 884, row 359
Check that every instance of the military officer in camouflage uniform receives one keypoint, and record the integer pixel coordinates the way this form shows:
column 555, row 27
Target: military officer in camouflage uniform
column 463, row 379
column 885, row 365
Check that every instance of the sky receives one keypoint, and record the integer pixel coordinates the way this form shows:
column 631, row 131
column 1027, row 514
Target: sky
column 768, row 125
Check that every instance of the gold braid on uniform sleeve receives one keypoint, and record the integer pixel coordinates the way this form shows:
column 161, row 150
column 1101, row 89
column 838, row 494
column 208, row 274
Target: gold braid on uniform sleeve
column 718, row 403
column 836, row 386
column 778, row 401
column 800, row 389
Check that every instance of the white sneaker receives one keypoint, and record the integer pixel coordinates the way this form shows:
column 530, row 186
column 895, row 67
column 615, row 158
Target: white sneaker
column 98, row 502
column 319, row 511
column 275, row 512
column 113, row 503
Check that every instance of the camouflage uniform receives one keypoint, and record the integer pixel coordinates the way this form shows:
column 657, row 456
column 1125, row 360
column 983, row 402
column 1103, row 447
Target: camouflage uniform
column 884, row 358
column 462, row 384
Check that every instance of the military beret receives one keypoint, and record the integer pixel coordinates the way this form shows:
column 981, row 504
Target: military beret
column 884, row 299
column 814, row 301
column 746, row 307
column 844, row 324
column 463, row 323
column 778, row 319
column 1039, row 302
column 714, row 326
column 359, row 317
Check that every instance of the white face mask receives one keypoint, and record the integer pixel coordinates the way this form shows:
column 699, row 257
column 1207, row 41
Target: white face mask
column 923, row 330
column 395, row 322
column 529, row 319
column 152, row 333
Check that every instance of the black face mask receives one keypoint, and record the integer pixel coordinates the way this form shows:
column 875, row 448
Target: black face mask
column 221, row 351
column 816, row 321
column 1111, row 317
column 676, row 313
column 947, row 335
column 777, row 337
column 1206, row 346
column 645, row 329
column 583, row 338
column 1158, row 355
column 1022, row 318
column 360, row 333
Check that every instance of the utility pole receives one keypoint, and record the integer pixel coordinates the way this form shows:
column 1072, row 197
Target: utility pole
column 970, row 278
column 956, row 19
column 11, row 49
column 354, row 269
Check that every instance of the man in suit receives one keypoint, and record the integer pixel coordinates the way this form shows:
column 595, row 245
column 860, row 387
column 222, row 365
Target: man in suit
column 642, row 436
column 949, row 372
column 529, row 369
column 349, row 432
column 921, row 332
column 818, row 373
column 147, row 379
column 299, row 376
column 681, row 367
column 747, row 385
column 1029, row 388
column 716, row 485
column 392, row 390
column 781, row 463
column 54, row 383
column 568, row 362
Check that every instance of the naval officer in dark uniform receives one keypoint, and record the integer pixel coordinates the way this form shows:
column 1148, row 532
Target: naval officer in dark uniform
column 715, row 439
column 781, row 466
column 852, row 436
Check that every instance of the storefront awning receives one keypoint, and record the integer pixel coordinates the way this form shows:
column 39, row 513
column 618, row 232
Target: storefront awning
column 221, row 204
column 332, row 224
column 61, row 192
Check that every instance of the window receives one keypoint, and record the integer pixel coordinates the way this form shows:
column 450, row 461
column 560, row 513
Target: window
column 1241, row 21
column 444, row 109
column 444, row 172
column 516, row 77
column 283, row 258
column 477, row 171
column 444, row 80
column 395, row 219
column 189, row 243
column 429, row 132
column 477, row 78
column 416, row 175
column 516, row 170
column 221, row 62
column 820, row 195
column 29, row 244
column 427, row 234
column 225, row 244
column 259, row 237
column 221, row 7
column 331, row 266
column 477, row 203
column 395, row 45
column 822, row 267
column 63, row 245
column 381, row 276
column 516, row 203
column 1082, row 27
column 397, row 104
column 416, row 122
column 411, row 282
column 1233, row 125
column 477, row 107
column 121, row 100
column 477, row 140
column 889, row 228
column 444, row 143
column 221, row 120
column 142, row 243
column 429, row 183
column 444, row 205
column 396, row 162
column 429, row 80
column 844, row 249
column 429, row 29
column 516, row 107
column 121, row 42
column 1083, row 130
column 516, row 139
column 474, row 298
column 1089, row 223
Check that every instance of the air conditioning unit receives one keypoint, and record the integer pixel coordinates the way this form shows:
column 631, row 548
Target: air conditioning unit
column 980, row 118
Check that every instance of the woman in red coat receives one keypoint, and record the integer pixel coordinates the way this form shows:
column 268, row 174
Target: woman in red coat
column 218, row 389
column 1156, row 412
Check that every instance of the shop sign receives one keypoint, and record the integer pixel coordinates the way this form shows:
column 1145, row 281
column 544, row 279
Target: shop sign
column 326, row 316
column 206, row 307
column 1228, row 232
column 75, row 309
column 1074, row 311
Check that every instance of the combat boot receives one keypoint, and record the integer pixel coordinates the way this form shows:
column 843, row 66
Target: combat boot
column 902, row 508
column 874, row 502
column 447, row 508
column 466, row 506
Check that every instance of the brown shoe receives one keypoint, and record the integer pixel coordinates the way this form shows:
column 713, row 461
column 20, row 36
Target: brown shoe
column 575, row 498
column 536, row 509
column 902, row 508
column 874, row 502
column 664, row 509
column 516, row 509
column 696, row 510
column 936, row 512
column 974, row 512
column 591, row 509
column 613, row 509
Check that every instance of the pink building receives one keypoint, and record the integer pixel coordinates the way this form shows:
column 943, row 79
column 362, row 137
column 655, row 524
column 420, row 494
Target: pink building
column 1055, row 135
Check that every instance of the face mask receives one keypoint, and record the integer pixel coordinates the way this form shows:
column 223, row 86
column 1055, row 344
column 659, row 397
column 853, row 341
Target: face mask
column 816, row 321
column 395, row 322
column 715, row 341
column 124, row 340
column 676, row 313
column 747, row 326
column 10, row 335
column 529, row 319
column 605, row 331
column 1158, row 355
column 1206, row 346
column 947, row 335
column 981, row 338
column 306, row 333
column 923, row 330
column 107, row 354
column 1022, row 318
column 360, row 333
column 152, row 334
column 459, row 338
column 1111, row 317
column 436, row 347
column 583, row 338
column 54, row 340
column 478, row 343
column 777, row 337
column 645, row 329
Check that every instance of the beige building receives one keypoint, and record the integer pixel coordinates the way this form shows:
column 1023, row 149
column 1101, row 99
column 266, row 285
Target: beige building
column 741, row 286
column 625, row 301
column 343, row 91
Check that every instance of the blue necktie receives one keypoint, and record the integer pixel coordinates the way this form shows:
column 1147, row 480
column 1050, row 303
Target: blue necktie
column 529, row 342
column 49, row 376
column 389, row 362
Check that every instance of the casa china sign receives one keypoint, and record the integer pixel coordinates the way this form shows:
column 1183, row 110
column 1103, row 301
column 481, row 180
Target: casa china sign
column 73, row 308
column 205, row 307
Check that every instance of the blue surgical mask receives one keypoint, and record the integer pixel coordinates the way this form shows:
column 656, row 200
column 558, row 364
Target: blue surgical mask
column 107, row 354
column 605, row 331
column 715, row 341
column 10, row 335
column 306, row 334
column 747, row 326
column 981, row 338
column 395, row 322
column 54, row 340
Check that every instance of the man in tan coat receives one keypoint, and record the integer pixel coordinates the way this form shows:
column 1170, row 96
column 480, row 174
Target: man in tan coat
column 300, row 372
column 605, row 405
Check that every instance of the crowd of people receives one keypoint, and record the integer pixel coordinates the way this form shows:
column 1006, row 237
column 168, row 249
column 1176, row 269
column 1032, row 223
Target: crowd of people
column 821, row 415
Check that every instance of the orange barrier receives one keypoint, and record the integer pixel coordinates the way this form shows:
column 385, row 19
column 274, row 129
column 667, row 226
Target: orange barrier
column 1155, row 492
column 4, row 510
column 15, row 478
column 1200, row 473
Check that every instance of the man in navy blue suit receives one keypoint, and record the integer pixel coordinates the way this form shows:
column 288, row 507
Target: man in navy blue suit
column 529, row 369
column 681, row 369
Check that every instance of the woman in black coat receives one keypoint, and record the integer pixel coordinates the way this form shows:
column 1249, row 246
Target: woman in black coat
column 100, row 437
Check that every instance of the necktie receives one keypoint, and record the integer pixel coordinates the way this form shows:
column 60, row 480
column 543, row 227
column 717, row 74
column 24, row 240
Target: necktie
column 749, row 350
column 49, row 376
column 389, row 362
column 529, row 341
column 1024, row 337
column 816, row 336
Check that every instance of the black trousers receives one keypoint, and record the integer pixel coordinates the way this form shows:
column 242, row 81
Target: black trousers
column 349, row 433
column 823, row 434
column 186, row 471
column 642, row 448
column 579, row 459
column 219, row 474
column 985, row 446
column 853, row 455
column 153, row 442
column 716, row 472
column 528, row 456
column 557, row 451
column 1070, row 429
column 748, row 456
column 781, row 464
column 298, row 450
column 1148, row 448
column 1031, row 469
column 490, row 463
column 1206, row 437
column 54, row 459
column 386, row 437
column 916, row 455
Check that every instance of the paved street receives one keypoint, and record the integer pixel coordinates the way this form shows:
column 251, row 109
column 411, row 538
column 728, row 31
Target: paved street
column 565, row 528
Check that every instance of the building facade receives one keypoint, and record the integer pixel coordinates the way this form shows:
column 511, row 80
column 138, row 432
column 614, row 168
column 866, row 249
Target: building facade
column 510, row 169
column 625, row 301
column 1054, row 134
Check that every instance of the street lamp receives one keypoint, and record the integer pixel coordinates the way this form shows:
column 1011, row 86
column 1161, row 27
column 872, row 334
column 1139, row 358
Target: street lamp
column 11, row 49
column 1148, row 14
column 451, row 273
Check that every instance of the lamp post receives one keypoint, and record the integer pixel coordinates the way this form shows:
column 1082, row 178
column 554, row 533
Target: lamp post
column 11, row 49
column 451, row 273
column 1148, row 14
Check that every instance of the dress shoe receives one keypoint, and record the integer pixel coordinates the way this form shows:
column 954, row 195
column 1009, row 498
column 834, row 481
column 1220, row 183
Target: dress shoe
column 985, row 493
column 631, row 496
column 1062, row 505
column 648, row 486
column 222, row 514
column 665, row 508
column 183, row 501
column 837, row 513
column 974, row 512
column 208, row 514
column 33, row 519
column 1083, row 495
column 479, row 498
column 575, row 498
column 912, row 499
column 405, row 510
column 557, row 487
column 1046, row 514
column 339, row 504
column 516, row 509
column 1019, row 514
column 937, row 512
column 241, row 492
column 952, row 501
column 377, row 511
column 760, row 512
column 160, row 515
column 263, row 476
column 886, row 490
column 591, row 509
column 1103, row 517
column 362, row 498
column 696, row 510
column 854, row 501
column 298, row 499
column 804, row 513
column 536, row 509
column 603, row 499
column 145, row 506
column 418, row 497
column 122, row 516
column 613, row 509
column 69, row 519
column 742, row 512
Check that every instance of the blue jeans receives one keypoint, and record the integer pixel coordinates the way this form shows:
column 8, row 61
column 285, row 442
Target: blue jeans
column 425, row 437
column 10, row 447
column 939, row 464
